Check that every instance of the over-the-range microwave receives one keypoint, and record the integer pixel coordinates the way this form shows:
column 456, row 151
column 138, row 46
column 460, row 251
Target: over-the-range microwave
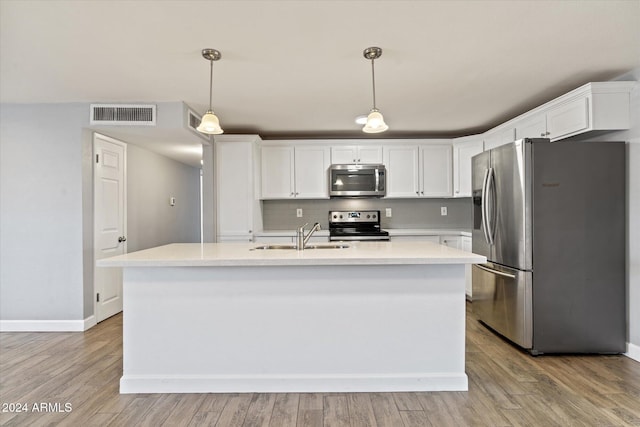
column 357, row 181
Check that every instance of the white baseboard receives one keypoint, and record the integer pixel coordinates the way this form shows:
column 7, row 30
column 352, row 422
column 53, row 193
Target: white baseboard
column 292, row 383
column 633, row 352
column 47, row 325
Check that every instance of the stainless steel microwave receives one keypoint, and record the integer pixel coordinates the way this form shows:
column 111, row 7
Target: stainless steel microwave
column 357, row 181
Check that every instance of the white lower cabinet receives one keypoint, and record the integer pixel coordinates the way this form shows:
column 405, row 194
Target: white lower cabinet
column 466, row 246
column 451, row 241
column 289, row 239
column 423, row 238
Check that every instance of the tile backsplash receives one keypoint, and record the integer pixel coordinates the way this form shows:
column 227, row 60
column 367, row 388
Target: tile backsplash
column 406, row 213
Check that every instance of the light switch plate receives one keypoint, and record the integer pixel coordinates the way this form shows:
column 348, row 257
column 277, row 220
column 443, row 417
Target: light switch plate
column 443, row 210
column 172, row 201
column 299, row 213
column 387, row 212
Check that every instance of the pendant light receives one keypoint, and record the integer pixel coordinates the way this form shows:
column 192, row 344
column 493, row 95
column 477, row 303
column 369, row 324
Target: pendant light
column 375, row 121
column 210, row 123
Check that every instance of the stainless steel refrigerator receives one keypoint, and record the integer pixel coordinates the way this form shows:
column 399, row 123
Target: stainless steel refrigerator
column 550, row 218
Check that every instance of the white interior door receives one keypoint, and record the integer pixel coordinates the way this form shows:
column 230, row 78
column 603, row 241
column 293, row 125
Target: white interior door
column 110, row 221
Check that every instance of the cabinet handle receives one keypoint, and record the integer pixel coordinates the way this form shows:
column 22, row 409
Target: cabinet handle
column 548, row 133
column 418, row 193
column 291, row 195
column 422, row 192
column 358, row 160
column 542, row 134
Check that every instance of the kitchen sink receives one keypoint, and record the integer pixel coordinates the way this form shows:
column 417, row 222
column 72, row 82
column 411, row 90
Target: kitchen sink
column 316, row 246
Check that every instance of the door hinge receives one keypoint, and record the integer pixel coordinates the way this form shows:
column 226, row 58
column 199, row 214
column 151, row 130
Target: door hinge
column 98, row 297
column 97, row 158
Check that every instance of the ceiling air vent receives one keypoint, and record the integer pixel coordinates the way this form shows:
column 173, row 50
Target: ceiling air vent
column 193, row 121
column 123, row 114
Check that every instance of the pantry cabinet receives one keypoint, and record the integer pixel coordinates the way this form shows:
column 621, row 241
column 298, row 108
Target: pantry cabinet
column 237, row 206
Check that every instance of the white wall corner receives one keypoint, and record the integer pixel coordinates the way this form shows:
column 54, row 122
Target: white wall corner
column 633, row 352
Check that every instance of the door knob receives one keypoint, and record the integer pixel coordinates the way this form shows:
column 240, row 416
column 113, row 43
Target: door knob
column 122, row 239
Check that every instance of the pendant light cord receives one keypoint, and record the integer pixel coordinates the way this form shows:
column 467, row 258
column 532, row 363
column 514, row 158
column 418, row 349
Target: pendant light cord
column 373, row 82
column 211, row 84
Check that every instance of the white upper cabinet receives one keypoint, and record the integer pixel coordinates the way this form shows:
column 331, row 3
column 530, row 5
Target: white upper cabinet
column 402, row 164
column 423, row 170
column 356, row 154
column 290, row 171
column 493, row 139
column 436, row 170
column 311, row 172
column 237, row 208
column 278, row 172
column 463, row 150
column 594, row 106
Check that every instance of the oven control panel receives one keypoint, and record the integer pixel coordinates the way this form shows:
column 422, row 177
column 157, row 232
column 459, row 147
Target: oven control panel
column 354, row 216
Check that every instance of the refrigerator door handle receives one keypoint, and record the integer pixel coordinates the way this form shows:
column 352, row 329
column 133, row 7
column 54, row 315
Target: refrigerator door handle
column 490, row 207
column 483, row 206
column 492, row 271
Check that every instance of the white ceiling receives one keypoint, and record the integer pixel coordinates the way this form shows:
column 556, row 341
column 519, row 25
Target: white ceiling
column 295, row 68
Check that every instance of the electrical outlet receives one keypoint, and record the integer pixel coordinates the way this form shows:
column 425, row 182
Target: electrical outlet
column 299, row 213
column 387, row 212
column 443, row 210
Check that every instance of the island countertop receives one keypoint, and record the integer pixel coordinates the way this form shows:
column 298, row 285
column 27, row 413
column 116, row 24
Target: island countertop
column 244, row 254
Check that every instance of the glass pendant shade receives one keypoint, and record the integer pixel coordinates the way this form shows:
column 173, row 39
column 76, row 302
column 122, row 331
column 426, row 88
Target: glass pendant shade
column 375, row 123
column 210, row 124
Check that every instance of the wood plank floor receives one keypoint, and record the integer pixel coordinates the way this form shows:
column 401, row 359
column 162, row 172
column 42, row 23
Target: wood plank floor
column 507, row 387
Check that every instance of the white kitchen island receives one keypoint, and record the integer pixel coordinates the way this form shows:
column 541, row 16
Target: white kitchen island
column 376, row 316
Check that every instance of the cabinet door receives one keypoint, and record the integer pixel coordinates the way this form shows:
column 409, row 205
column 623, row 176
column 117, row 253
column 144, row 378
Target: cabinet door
column 344, row 155
column 370, row 154
column 532, row 127
column 499, row 138
column 416, row 238
column 462, row 154
column 234, row 177
column 436, row 170
column 311, row 172
column 451, row 241
column 277, row 172
column 569, row 118
column 402, row 163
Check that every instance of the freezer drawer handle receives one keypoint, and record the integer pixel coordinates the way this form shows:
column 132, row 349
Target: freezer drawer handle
column 492, row 271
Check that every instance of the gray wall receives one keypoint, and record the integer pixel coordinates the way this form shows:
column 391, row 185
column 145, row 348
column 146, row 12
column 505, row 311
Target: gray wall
column 418, row 213
column 46, row 209
column 151, row 180
column 41, row 241
column 632, row 137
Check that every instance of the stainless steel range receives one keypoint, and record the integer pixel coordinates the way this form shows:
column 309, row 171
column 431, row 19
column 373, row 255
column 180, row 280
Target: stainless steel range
column 355, row 225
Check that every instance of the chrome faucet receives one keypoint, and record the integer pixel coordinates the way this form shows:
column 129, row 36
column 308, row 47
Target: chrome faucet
column 301, row 239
